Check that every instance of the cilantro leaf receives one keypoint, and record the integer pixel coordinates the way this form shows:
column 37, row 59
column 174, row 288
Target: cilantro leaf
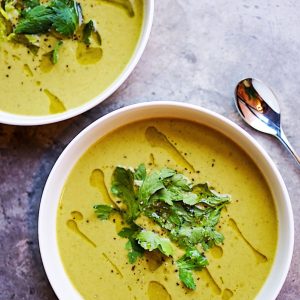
column 55, row 52
column 134, row 249
column 89, row 31
column 31, row 3
column 186, row 276
column 153, row 183
column 35, row 20
column 191, row 260
column 103, row 211
column 123, row 187
column 181, row 182
column 187, row 236
column 65, row 18
column 151, row 241
column 177, row 187
column 129, row 232
column 173, row 217
column 209, row 197
column 140, row 173
column 61, row 15
column 212, row 216
column 174, row 193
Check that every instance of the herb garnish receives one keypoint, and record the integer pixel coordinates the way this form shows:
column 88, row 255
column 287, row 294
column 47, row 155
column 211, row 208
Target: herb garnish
column 186, row 216
column 25, row 21
column 54, row 57
column 89, row 29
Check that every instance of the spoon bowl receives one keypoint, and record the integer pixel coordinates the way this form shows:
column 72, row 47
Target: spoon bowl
column 259, row 108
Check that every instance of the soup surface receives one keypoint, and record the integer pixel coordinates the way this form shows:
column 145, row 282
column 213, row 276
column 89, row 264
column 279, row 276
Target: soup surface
column 93, row 254
column 32, row 85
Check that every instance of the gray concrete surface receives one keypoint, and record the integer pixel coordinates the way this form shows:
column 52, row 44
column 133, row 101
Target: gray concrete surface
column 197, row 52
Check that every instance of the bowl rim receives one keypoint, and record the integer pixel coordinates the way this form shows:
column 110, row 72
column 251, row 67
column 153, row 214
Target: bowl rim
column 26, row 120
column 283, row 255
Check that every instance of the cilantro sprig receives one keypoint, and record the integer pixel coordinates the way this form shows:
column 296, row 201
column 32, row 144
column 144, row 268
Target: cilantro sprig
column 25, row 21
column 36, row 20
column 191, row 260
column 62, row 16
column 185, row 213
column 103, row 211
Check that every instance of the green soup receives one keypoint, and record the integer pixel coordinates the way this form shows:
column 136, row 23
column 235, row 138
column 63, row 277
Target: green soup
column 93, row 254
column 32, row 85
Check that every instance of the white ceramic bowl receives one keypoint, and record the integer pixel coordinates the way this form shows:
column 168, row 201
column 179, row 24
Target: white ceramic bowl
column 15, row 119
column 49, row 204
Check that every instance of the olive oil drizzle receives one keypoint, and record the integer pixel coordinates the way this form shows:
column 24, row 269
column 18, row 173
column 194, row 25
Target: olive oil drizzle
column 211, row 281
column 157, row 291
column 113, row 265
column 125, row 4
column 158, row 139
column 97, row 180
column 259, row 256
column 87, row 55
column 77, row 215
column 56, row 105
column 72, row 224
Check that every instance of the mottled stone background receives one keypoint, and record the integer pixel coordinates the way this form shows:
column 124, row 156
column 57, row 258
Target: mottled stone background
column 198, row 51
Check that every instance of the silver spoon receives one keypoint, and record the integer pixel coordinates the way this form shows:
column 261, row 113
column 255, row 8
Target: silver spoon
column 258, row 106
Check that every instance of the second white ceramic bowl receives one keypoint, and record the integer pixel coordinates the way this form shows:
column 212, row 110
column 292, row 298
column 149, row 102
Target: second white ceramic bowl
column 15, row 119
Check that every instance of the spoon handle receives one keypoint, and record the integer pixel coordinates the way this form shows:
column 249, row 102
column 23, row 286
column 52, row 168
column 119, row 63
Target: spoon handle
column 283, row 139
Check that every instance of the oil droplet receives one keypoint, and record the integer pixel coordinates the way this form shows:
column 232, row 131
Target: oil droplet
column 216, row 251
column 27, row 71
column 158, row 139
column 211, row 281
column 73, row 226
column 259, row 256
column 227, row 294
column 76, row 215
column 56, row 105
column 157, row 291
column 46, row 64
column 97, row 180
column 88, row 55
